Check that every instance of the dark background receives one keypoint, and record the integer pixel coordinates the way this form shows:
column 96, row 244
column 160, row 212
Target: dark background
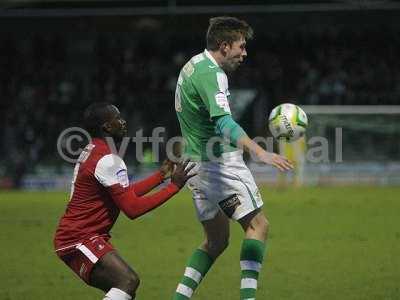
column 58, row 57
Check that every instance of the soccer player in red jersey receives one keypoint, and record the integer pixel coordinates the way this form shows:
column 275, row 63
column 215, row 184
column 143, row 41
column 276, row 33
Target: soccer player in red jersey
column 100, row 189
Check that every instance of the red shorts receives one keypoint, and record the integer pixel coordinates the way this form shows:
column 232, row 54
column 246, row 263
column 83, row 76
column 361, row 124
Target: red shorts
column 82, row 257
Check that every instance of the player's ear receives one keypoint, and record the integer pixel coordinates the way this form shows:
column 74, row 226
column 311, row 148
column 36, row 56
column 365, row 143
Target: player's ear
column 224, row 47
column 106, row 127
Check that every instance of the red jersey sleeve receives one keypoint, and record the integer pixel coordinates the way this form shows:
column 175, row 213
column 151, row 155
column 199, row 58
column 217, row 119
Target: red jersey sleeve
column 146, row 185
column 134, row 206
column 112, row 173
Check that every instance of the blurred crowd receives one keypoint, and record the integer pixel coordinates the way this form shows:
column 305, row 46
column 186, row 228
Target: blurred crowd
column 47, row 79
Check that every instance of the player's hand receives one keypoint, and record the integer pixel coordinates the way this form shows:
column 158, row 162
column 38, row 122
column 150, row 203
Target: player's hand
column 276, row 160
column 181, row 173
column 166, row 168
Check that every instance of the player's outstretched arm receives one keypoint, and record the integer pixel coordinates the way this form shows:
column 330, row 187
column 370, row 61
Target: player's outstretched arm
column 228, row 128
column 146, row 185
column 276, row 160
column 134, row 206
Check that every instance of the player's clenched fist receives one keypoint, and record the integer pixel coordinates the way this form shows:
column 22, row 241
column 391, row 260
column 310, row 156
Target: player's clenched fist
column 181, row 173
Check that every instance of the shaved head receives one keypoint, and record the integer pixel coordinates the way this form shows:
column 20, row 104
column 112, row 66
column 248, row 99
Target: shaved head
column 95, row 116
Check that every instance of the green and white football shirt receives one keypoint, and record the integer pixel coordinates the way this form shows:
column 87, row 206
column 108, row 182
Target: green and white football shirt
column 201, row 95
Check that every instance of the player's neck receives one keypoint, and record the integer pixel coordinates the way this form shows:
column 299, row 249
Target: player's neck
column 217, row 56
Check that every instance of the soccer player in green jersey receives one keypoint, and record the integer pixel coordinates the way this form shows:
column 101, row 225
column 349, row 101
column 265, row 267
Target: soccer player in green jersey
column 224, row 188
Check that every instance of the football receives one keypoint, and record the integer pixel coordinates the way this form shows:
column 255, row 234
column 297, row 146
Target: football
column 287, row 121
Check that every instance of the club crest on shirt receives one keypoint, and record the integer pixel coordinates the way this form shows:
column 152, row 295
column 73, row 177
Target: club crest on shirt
column 122, row 177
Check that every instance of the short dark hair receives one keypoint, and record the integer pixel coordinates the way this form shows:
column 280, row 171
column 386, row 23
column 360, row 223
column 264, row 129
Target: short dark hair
column 94, row 117
column 226, row 29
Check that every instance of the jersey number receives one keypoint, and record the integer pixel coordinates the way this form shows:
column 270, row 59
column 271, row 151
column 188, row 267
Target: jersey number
column 82, row 158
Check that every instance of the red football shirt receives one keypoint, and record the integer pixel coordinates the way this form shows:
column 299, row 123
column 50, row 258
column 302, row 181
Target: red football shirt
column 100, row 189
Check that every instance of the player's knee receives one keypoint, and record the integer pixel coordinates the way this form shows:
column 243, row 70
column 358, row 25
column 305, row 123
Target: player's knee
column 134, row 282
column 131, row 283
column 216, row 246
column 260, row 225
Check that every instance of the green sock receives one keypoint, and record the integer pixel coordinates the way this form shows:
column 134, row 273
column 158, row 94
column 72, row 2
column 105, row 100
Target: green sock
column 251, row 258
column 197, row 267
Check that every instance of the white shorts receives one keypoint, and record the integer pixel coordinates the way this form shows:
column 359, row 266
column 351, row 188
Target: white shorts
column 225, row 185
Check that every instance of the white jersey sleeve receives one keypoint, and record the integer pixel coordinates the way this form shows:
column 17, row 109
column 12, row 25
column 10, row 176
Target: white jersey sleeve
column 110, row 170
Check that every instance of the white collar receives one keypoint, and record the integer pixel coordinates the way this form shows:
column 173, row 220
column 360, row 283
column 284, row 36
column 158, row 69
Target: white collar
column 210, row 57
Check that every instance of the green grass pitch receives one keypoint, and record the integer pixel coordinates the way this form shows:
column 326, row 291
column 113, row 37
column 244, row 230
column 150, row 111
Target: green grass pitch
column 325, row 243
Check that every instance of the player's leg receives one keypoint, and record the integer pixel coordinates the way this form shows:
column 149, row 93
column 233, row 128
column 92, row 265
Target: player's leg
column 244, row 206
column 216, row 231
column 115, row 277
column 255, row 226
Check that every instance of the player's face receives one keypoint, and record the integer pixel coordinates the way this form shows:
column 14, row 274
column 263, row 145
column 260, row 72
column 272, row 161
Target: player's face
column 116, row 125
column 235, row 55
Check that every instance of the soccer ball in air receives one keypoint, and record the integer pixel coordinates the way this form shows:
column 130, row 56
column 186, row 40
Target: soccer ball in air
column 288, row 122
